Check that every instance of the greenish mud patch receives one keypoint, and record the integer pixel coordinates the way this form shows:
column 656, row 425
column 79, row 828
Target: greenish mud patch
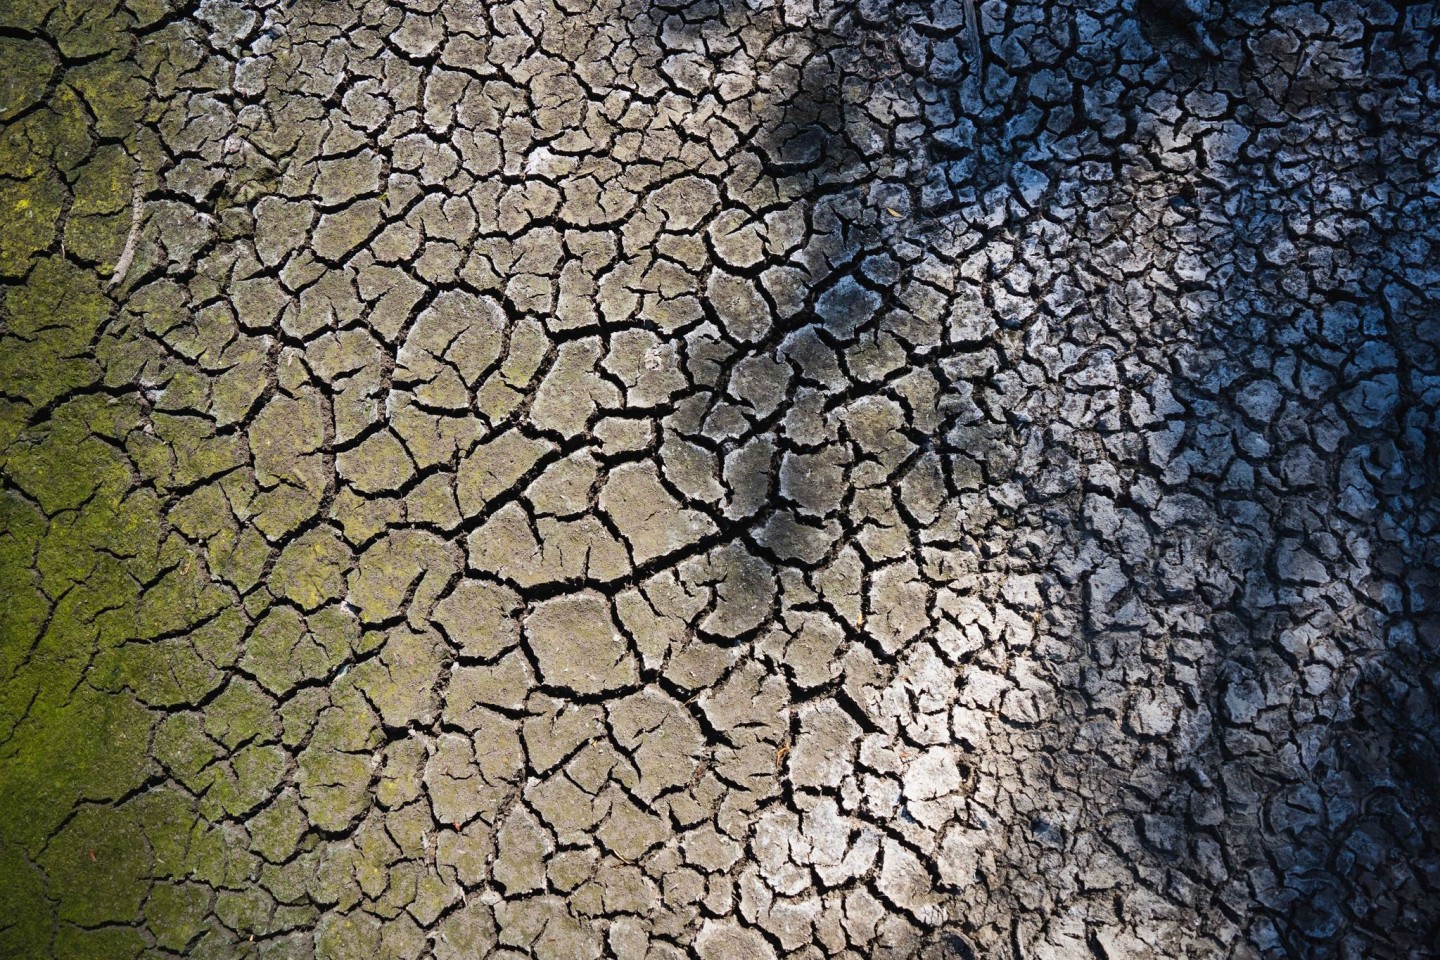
column 98, row 595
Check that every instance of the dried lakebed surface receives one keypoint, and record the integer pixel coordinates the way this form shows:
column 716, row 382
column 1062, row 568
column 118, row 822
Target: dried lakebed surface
column 719, row 479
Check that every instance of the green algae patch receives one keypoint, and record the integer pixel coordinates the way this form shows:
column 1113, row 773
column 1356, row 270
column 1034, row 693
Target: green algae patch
column 31, row 212
column 114, row 92
column 28, row 919
column 86, row 28
column 107, row 943
column 64, row 467
column 93, row 747
column 176, row 913
column 87, row 568
column 51, row 322
column 26, row 608
column 29, row 65
column 102, row 214
column 106, row 614
column 92, row 867
column 311, row 570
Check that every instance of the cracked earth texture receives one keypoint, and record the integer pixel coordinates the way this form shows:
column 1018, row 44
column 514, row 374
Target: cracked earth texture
column 719, row 479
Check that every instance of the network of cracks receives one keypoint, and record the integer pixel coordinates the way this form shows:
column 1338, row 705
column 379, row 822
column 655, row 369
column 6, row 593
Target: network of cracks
column 719, row 479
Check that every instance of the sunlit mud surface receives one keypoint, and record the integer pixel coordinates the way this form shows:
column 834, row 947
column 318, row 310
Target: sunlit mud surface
column 725, row 480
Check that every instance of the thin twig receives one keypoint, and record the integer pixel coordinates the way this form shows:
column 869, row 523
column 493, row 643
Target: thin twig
column 972, row 27
column 127, row 256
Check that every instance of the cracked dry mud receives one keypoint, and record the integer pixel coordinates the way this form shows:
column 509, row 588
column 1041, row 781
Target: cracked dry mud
column 719, row 479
